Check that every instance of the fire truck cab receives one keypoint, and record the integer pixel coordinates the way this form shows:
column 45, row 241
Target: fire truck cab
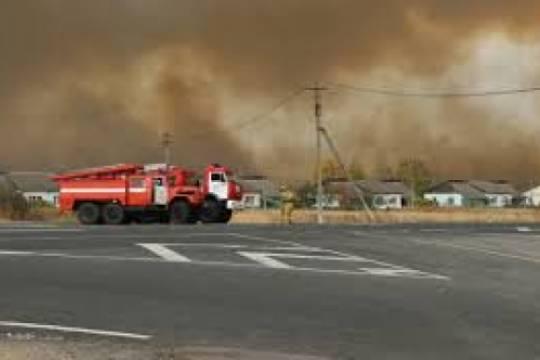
column 131, row 192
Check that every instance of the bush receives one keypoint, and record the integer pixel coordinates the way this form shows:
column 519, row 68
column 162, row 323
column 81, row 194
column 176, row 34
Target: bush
column 13, row 205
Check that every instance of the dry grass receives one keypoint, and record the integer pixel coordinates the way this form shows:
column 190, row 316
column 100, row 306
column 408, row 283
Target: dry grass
column 397, row 216
column 431, row 215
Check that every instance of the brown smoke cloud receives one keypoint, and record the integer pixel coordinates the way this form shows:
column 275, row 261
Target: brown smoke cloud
column 74, row 90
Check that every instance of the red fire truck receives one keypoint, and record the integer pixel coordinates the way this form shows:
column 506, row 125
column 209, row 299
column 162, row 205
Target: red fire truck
column 132, row 192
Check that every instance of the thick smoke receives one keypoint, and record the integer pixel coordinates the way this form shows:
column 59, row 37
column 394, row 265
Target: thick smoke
column 94, row 82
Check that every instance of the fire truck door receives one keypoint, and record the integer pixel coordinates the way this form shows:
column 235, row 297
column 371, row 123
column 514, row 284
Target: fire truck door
column 218, row 185
column 160, row 192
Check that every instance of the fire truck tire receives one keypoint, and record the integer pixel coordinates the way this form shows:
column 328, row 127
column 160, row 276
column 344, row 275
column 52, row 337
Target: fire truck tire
column 113, row 214
column 88, row 213
column 180, row 212
column 211, row 211
column 226, row 216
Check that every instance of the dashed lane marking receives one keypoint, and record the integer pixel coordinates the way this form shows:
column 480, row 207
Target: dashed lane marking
column 34, row 230
column 265, row 259
column 481, row 250
column 165, row 253
column 70, row 329
column 276, row 258
column 398, row 271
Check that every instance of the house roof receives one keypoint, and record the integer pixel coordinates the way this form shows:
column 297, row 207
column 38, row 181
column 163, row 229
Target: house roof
column 259, row 184
column 493, row 187
column 32, row 181
column 531, row 191
column 372, row 187
column 472, row 188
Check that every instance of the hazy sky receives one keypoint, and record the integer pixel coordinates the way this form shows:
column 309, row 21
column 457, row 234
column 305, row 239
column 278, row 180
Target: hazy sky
column 90, row 83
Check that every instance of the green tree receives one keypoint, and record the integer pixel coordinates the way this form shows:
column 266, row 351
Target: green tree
column 416, row 175
column 331, row 170
column 306, row 195
column 355, row 170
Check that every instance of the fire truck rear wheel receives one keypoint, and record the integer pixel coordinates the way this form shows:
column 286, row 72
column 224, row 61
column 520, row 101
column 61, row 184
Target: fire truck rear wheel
column 113, row 214
column 180, row 212
column 88, row 213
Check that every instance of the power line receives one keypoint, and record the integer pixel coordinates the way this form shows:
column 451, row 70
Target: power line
column 255, row 119
column 436, row 94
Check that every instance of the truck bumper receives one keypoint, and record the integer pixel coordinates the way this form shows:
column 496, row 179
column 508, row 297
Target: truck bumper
column 234, row 205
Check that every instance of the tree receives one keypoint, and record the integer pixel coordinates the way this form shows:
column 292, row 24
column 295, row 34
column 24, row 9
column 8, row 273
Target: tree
column 355, row 170
column 306, row 195
column 331, row 170
column 415, row 174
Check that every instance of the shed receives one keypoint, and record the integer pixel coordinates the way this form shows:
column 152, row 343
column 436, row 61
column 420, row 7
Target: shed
column 380, row 194
column 34, row 186
column 258, row 192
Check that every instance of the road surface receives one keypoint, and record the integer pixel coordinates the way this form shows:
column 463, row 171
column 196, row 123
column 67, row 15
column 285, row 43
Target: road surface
column 340, row 292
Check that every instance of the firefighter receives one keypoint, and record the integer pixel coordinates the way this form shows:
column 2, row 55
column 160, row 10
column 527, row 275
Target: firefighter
column 287, row 204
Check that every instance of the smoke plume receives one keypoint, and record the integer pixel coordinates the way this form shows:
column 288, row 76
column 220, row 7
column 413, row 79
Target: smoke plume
column 95, row 82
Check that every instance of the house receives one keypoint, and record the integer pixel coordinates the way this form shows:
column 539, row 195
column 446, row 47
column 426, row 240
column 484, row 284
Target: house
column 259, row 192
column 498, row 193
column 531, row 197
column 458, row 193
column 36, row 187
column 379, row 194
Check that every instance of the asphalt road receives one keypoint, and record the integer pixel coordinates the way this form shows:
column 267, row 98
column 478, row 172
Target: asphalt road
column 344, row 292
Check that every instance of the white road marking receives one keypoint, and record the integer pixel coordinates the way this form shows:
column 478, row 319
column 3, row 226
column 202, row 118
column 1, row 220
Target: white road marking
column 396, row 272
column 12, row 252
column 523, row 229
column 481, row 250
column 261, row 238
column 243, row 246
column 360, row 272
column 69, row 329
column 165, row 253
column 264, row 259
column 22, row 230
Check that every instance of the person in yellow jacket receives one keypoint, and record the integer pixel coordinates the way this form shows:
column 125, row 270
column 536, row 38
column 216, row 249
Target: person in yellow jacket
column 287, row 204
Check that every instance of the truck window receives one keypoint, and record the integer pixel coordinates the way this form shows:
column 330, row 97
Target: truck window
column 217, row 177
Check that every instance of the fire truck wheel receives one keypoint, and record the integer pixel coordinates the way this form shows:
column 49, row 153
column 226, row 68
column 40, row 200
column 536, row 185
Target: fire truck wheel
column 180, row 212
column 226, row 216
column 88, row 214
column 113, row 214
column 211, row 211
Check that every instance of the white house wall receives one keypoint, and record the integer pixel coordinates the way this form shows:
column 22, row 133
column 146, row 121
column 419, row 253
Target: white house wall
column 532, row 197
column 50, row 198
column 499, row 200
column 387, row 201
column 445, row 200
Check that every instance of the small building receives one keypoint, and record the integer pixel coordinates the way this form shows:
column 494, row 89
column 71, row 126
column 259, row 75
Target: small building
column 461, row 193
column 36, row 187
column 259, row 192
column 379, row 194
column 498, row 193
column 531, row 197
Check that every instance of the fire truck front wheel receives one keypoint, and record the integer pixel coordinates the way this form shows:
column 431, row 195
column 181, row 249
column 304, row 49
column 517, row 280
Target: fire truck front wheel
column 113, row 214
column 180, row 212
column 212, row 211
column 88, row 213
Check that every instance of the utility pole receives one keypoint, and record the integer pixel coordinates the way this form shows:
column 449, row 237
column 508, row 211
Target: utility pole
column 166, row 141
column 317, row 93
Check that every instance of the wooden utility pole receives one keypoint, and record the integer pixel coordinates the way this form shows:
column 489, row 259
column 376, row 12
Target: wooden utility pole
column 166, row 142
column 317, row 92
